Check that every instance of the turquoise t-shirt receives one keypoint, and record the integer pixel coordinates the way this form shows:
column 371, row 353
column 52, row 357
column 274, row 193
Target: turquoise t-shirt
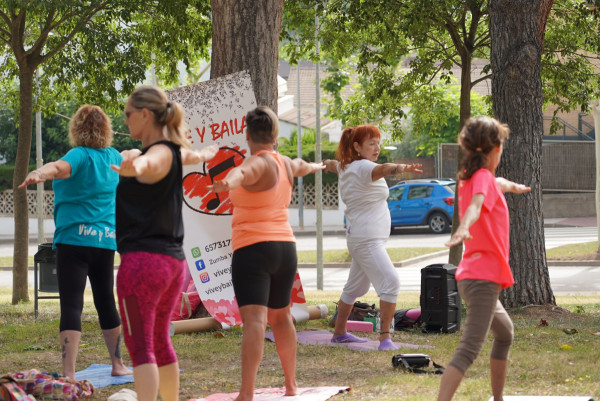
column 84, row 203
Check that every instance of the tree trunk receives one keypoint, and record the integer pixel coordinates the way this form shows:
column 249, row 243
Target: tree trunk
column 21, row 241
column 246, row 37
column 455, row 254
column 517, row 35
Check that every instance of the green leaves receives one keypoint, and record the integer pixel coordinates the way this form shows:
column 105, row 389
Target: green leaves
column 97, row 51
column 392, row 51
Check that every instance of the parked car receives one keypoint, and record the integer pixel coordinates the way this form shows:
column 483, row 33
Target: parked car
column 423, row 202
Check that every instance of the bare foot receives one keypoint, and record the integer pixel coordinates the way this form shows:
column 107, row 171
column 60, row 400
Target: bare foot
column 291, row 391
column 242, row 397
column 120, row 370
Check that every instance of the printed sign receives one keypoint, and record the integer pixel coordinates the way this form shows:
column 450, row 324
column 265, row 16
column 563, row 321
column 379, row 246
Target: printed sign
column 215, row 112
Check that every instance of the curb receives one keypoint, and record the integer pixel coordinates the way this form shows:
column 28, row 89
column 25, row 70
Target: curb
column 402, row 263
column 573, row 263
column 407, row 262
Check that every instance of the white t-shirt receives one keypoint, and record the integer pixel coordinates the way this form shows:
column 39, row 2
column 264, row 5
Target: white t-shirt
column 367, row 213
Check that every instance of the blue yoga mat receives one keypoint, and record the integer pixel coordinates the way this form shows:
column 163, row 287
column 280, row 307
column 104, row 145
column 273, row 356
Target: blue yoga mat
column 100, row 376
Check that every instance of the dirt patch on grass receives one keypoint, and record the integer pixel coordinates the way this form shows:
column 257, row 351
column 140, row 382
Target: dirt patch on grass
column 547, row 312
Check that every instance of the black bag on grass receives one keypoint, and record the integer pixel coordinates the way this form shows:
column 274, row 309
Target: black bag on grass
column 360, row 310
column 416, row 363
column 405, row 319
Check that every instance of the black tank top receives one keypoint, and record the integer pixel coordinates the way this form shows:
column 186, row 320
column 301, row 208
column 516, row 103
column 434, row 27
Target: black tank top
column 149, row 215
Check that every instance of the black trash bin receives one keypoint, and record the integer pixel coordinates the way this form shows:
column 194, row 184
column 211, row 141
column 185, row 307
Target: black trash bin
column 45, row 258
column 44, row 273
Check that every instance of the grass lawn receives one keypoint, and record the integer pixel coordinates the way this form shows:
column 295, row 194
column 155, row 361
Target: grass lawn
column 585, row 251
column 544, row 359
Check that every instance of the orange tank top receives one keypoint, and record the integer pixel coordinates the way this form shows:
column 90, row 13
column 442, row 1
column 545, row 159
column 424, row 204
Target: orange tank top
column 262, row 216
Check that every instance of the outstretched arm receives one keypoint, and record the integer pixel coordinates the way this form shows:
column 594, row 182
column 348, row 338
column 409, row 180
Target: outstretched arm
column 150, row 167
column 189, row 156
column 247, row 174
column 331, row 166
column 509, row 186
column 471, row 216
column 387, row 169
column 300, row 168
column 59, row 169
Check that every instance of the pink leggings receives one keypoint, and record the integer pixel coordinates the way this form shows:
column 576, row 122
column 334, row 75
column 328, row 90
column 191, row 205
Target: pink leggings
column 147, row 286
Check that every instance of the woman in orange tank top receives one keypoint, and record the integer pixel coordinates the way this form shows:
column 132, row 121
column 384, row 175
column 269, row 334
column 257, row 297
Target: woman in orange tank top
column 264, row 248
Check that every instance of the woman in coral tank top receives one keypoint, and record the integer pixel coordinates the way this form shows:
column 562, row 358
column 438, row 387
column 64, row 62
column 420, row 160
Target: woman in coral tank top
column 264, row 260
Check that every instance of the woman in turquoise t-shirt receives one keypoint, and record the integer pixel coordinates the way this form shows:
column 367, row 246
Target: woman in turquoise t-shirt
column 84, row 237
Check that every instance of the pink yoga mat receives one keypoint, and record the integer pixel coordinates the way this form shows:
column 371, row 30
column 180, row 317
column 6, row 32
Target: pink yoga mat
column 278, row 394
column 323, row 337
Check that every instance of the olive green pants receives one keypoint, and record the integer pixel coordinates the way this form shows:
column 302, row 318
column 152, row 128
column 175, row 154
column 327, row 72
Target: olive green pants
column 484, row 312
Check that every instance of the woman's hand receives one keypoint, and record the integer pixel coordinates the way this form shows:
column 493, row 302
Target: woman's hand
column 316, row 166
column 412, row 168
column 207, row 152
column 509, row 186
column 219, row 186
column 520, row 189
column 130, row 154
column 34, row 177
column 131, row 167
column 461, row 234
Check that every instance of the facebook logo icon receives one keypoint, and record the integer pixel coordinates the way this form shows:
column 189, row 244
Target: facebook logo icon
column 200, row 265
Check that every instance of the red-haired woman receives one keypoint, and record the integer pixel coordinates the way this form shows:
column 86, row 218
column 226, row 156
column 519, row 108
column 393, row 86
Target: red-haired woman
column 364, row 191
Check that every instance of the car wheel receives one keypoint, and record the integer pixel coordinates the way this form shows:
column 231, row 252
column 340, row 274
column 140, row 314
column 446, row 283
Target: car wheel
column 438, row 223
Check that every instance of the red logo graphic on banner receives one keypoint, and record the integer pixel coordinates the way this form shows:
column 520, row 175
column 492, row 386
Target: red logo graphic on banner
column 199, row 198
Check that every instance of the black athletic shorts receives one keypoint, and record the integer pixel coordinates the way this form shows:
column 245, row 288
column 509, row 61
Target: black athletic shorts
column 264, row 273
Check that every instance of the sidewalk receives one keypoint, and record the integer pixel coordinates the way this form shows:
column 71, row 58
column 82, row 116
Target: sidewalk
column 7, row 228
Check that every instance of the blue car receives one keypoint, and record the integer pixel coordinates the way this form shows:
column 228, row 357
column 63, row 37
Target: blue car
column 423, row 203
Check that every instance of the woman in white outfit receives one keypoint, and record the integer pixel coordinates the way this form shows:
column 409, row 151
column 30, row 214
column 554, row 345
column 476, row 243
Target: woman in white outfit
column 364, row 191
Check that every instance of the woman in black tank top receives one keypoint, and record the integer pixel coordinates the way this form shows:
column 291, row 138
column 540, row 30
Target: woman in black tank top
column 150, row 236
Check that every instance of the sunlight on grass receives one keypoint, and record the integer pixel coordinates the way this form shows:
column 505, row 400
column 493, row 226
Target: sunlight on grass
column 584, row 251
column 558, row 363
column 343, row 256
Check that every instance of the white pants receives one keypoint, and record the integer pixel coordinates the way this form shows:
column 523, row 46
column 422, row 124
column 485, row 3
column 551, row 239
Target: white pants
column 370, row 264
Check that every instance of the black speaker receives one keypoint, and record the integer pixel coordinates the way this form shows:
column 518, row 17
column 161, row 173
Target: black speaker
column 440, row 301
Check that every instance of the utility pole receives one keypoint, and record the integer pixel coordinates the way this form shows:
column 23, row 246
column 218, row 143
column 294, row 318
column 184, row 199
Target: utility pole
column 39, row 162
column 318, row 174
column 300, row 185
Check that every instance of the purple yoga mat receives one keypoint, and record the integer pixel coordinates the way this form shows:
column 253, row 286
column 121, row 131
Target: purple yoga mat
column 323, row 337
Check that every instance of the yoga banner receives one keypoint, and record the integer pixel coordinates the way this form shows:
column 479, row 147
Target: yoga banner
column 215, row 113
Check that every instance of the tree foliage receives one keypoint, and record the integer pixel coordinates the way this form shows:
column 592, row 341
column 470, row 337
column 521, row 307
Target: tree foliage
column 434, row 116
column 399, row 47
column 98, row 51
column 93, row 51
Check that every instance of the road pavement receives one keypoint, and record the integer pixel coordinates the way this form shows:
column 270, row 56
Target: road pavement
column 566, row 278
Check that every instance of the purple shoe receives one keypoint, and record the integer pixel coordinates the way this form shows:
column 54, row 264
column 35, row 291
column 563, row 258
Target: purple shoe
column 387, row 345
column 348, row 338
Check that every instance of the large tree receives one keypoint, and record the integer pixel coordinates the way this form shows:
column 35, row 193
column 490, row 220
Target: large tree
column 401, row 48
column 517, row 32
column 246, row 37
column 95, row 51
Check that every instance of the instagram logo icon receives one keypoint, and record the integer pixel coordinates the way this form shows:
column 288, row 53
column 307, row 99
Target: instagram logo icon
column 204, row 278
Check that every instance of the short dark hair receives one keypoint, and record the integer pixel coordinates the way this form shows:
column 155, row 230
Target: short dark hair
column 262, row 125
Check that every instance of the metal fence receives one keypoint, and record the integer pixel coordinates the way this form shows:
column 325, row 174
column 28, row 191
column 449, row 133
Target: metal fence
column 330, row 200
column 568, row 166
